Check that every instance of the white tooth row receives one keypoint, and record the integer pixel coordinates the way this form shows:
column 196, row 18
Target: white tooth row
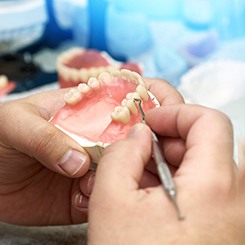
column 123, row 74
column 3, row 81
column 74, row 95
column 128, row 105
column 79, row 75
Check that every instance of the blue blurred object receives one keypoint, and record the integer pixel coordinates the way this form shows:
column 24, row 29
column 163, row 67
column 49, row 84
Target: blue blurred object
column 128, row 34
column 157, row 9
column 232, row 49
column 97, row 11
column 170, row 65
column 198, row 14
column 198, row 49
column 167, row 36
column 229, row 18
column 69, row 20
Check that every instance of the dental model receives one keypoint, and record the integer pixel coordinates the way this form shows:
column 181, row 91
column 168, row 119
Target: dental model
column 102, row 111
column 77, row 65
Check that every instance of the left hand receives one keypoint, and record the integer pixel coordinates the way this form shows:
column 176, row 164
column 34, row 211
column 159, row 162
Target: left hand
column 40, row 166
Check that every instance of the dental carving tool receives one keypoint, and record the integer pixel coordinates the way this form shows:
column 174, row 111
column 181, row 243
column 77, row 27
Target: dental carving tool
column 162, row 167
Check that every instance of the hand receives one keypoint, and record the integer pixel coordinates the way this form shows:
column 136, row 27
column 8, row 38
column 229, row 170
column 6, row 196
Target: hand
column 198, row 142
column 39, row 164
column 34, row 179
column 166, row 95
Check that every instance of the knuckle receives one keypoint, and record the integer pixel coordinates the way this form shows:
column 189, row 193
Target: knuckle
column 44, row 141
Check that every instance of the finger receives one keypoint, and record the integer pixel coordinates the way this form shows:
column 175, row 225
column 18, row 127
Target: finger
column 149, row 180
column 164, row 92
column 48, row 102
column 208, row 135
column 31, row 134
column 87, row 183
column 122, row 164
column 79, row 204
column 241, row 163
column 174, row 150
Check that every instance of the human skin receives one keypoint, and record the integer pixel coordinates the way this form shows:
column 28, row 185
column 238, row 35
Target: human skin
column 198, row 143
column 39, row 183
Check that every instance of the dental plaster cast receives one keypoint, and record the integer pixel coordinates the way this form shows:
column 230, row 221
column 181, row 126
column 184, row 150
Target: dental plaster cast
column 77, row 65
column 102, row 111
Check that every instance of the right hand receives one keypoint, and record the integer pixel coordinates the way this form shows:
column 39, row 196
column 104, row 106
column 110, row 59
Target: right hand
column 198, row 142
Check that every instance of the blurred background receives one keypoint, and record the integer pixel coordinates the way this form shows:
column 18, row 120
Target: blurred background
column 197, row 45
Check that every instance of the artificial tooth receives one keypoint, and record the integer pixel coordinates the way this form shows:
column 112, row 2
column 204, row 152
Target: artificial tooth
column 142, row 82
column 74, row 75
column 83, row 88
column 124, row 102
column 65, row 73
column 3, row 81
column 121, row 114
column 132, row 95
column 136, row 96
column 142, row 91
column 129, row 95
column 83, row 75
column 105, row 77
column 93, row 83
column 135, row 74
column 115, row 73
column 73, row 96
column 132, row 106
column 75, row 51
column 125, row 74
column 65, row 58
column 93, row 72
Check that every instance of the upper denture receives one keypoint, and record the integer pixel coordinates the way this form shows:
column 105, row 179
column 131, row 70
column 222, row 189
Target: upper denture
column 77, row 65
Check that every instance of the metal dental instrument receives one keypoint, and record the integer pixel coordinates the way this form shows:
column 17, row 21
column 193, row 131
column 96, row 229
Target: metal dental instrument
column 162, row 167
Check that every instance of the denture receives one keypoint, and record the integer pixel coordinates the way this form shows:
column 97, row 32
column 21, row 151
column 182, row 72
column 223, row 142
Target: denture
column 102, row 111
column 77, row 65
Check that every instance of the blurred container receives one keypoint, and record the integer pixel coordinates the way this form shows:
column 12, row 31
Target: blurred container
column 199, row 48
column 73, row 15
column 157, row 9
column 198, row 14
column 214, row 83
column 128, row 34
column 229, row 18
column 232, row 49
column 170, row 65
column 16, row 29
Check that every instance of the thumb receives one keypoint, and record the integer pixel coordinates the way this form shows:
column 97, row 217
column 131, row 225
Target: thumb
column 57, row 151
column 122, row 164
column 35, row 136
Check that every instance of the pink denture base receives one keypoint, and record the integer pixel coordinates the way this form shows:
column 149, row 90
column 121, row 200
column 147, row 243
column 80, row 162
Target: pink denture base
column 90, row 118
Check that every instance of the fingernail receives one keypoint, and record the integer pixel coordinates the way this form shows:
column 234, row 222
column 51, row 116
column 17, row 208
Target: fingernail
column 136, row 130
column 72, row 162
column 80, row 201
column 90, row 183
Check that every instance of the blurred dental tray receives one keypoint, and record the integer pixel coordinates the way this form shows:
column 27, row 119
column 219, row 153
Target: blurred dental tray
column 21, row 22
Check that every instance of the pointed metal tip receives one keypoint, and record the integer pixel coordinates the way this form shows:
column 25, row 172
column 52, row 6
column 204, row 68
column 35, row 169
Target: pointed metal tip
column 173, row 198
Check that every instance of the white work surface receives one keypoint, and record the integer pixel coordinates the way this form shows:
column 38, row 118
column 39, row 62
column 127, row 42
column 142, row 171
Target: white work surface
column 219, row 84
